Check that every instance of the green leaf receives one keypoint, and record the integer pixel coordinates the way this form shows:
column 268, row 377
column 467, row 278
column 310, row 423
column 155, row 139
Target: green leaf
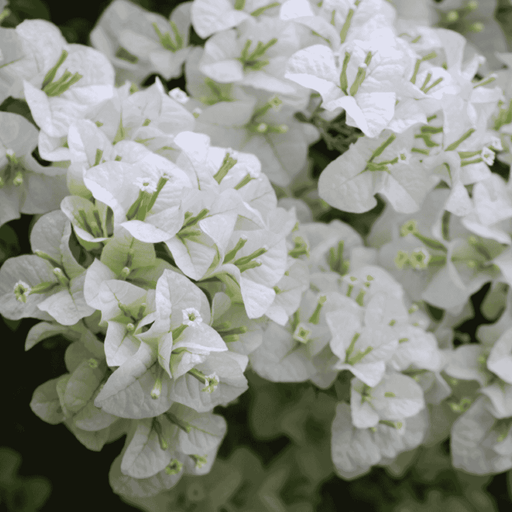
column 9, row 245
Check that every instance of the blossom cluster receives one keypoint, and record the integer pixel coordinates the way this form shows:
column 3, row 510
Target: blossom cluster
column 161, row 252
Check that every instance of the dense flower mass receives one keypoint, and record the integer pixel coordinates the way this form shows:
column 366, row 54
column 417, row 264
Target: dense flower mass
column 181, row 239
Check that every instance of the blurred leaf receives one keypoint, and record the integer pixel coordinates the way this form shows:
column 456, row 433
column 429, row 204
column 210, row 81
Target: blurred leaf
column 76, row 30
column 10, row 461
column 30, row 9
column 9, row 245
column 29, row 495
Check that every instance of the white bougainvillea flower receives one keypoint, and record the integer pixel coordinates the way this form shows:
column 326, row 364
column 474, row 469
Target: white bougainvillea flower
column 309, row 14
column 279, row 141
column 500, row 395
column 180, row 464
column 55, row 279
column 127, row 392
column 354, row 451
column 372, row 166
column 70, row 398
column 239, row 332
column 472, row 105
column 299, row 350
column 467, row 362
column 258, row 123
column 366, row 353
column 500, row 357
column 184, row 310
column 139, row 42
column 126, row 258
column 78, row 398
column 280, row 358
column 149, row 216
column 330, row 245
column 25, row 185
column 30, row 50
column 480, row 444
column 152, row 443
column 216, row 381
column 364, row 77
column 336, row 21
column 492, row 210
column 255, row 261
column 153, row 118
column 396, row 397
column 209, row 16
column 144, row 487
column 105, row 38
column 123, row 307
column 416, row 349
column 90, row 221
column 80, row 78
column 258, row 202
column 192, row 354
column 289, row 290
column 158, row 346
column 243, row 56
column 88, row 146
column 149, row 447
column 209, row 220
column 466, row 269
column 12, row 52
column 421, row 259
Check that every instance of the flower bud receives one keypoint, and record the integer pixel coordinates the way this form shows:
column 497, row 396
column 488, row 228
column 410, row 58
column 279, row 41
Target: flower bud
column 18, row 179
column 178, row 95
column 452, row 16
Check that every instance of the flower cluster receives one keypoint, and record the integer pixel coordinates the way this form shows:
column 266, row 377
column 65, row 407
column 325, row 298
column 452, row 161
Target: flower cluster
column 178, row 243
column 155, row 254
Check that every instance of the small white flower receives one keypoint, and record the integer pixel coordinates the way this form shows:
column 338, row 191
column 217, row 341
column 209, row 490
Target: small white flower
column 192, row 317
column 488, row 156
column 178, row 95
column 213, row 382
column 146, row 184
column 21, row 291
column 254, row 173
column 302, row 333
column 233, row 153
column 419, row 258
column 11, row 155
